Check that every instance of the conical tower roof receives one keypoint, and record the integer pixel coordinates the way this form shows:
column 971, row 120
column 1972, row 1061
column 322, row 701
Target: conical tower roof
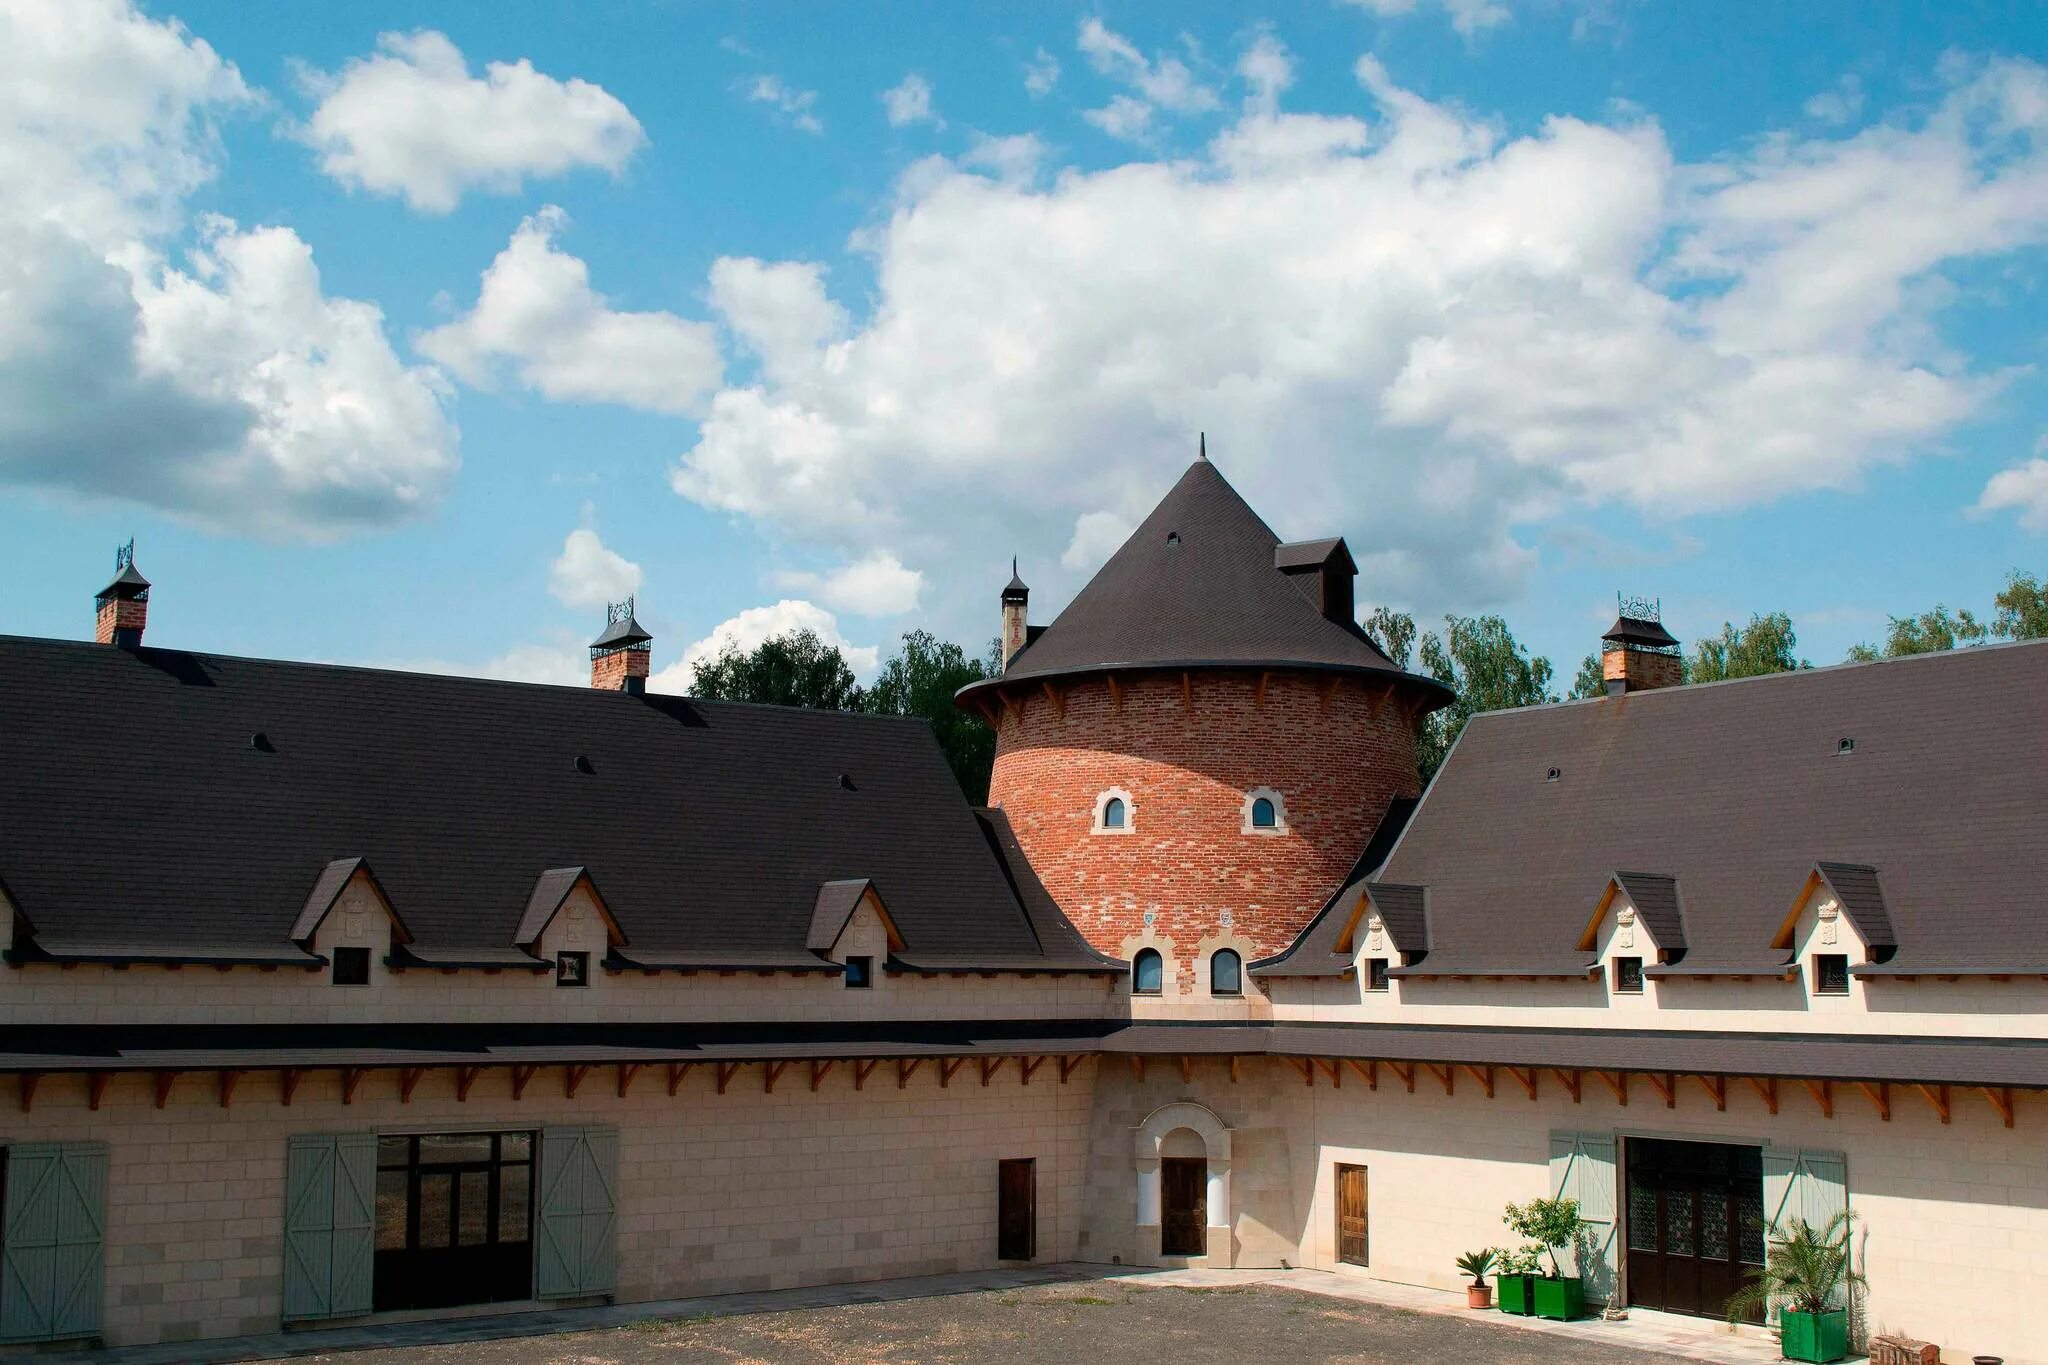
column 1197, row 586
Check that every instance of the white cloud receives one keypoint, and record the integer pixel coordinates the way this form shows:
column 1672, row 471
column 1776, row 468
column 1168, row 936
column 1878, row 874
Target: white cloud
column 1164, row 80
column 1013, row 158
column 590, row 574
column 909, row 101
column 1467, row 16
column 1268, row 69
column 1097, row 536
column 797, row 108
column 756, row 625
column 561, row 662
column 225, row 389
column 778, row 310
column 1406, row 322
column 1125, row 118
column 2022, row 489
column 877, row 585
column 536, row 311
column 1839, row 105
column 1041, row 73
column 411, row 120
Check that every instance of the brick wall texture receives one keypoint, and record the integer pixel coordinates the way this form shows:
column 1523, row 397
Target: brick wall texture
column 1188, row 761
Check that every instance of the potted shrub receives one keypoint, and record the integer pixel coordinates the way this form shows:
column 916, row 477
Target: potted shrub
column 1802, row 1273
column 1551, row 1225
column 1478, row 1294
column 1517, row 1273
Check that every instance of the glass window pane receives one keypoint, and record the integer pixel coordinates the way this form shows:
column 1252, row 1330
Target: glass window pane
column 393, row 1151
column 391, row 1210
column 1262, row 814
column 514, row 1188
column 1226, row 975
column 444, row 1148
column 1113, row 814
column 473, row 1209
column 435, row 1192
column 1148, row 973
column 515, row 1146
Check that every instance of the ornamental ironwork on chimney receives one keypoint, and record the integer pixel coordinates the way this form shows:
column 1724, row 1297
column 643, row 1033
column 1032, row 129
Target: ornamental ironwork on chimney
column 1638, row 654
column 121, row 609
column 621, row 657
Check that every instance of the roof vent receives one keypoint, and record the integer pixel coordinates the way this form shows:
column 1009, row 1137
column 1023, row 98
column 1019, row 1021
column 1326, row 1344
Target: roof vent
column 1553, row 775
column 1845, row 746
column 1173, row 537
column 584, row 765
column 260, row 742
column 846, row 783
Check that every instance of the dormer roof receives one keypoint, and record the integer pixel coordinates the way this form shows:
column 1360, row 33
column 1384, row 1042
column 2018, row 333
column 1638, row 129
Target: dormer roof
column 837, row 902
column 1856, row 889
column 1655, row 898
column 551, row 891
column 327, row 888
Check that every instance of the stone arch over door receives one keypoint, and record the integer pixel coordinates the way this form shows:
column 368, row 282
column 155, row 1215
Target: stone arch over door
column 1169, row 1127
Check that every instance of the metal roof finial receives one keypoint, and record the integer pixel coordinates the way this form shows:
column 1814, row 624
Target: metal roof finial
column 1202, row 449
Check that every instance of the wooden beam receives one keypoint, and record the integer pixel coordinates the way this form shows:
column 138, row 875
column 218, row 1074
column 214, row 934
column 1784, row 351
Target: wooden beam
column 1187, row 692
column 726, row 1071
column 1936, row 1095
column 771, row 1072
column 1879, row 1095
column 572, row 1077
column 408, row 1079
column 948, row 1066
column 1406, row 1073
column 1308, row 1074
column 677, row 1071
column 819, row 1071
column 906, row 1067
column 1716, row 1086
column 1766, row 1089
column 1067, row 1065
column 1665, row 1085
column 520, row 1076
column 2000, row 1097
column 1483, row 1075
column 1369, row 1070
column 1618, row 1083
column 29, row 1081
column 164, row 1081
column 1059, row 703
column 351, row 1077
column 990, row 1066
column 1445, row 1074
column 627, row 1071
column 1234, row 1061
column 1259, row 693
column 1329, row 1068
column 1137, row 1067
column 1116, row 692
column 1187, row 1069
column 96, row 1088
column 862, row 1070
column 1824, row 1096
column 1330, row 692
column 1027, row 1065
column 1527, row 1079
column 1376, row 698
column 465, row 1077
column 1574, row 1082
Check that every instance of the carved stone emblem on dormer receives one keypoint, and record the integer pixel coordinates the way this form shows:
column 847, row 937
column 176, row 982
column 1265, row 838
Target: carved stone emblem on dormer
column 1830, row 912
column 1375, row 934
column 1625, row 924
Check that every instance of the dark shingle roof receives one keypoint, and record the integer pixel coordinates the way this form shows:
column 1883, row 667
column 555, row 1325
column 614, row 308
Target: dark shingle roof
column 1314, row 952
column 134, row 810
column 1855, row 886
column 1197, row 585
column 1656, row 900
column 1738, row 790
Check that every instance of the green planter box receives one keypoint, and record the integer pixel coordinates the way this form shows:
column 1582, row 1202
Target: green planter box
column 1816, row 1337
column 1561, row 1299
column 1513, row 1293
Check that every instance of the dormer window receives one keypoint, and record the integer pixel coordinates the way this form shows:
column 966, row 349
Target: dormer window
column 351, row 966
column 860, row 973
column 1148, row 972
column 1114, row 812
column 1265, row 812
column 572, row 969
column 1376, row 974
column 1628, row 976
column 1830, row 973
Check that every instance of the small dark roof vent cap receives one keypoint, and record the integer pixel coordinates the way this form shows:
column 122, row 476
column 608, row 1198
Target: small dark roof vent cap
column 846, row 783
column 1553, row 775
column 1845, row 746
column 260, row 742
column 584, row 765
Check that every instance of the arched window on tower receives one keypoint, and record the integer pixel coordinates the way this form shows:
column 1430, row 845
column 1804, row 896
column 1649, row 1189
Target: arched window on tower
column 1148, row 972
column 1114, row 811
column 1226, row 972
column 1265, row 812
column 1262, row 814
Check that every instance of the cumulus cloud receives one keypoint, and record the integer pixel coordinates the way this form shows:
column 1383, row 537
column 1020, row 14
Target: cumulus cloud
column 1015, row 157
column 412, row 120
column 779, row 311
column 1041, row 73
column 1097, row 536
column 797, row 108
column 1398, row 322
column 560, row 661
column 2022, row 489
column 1125, row 117
column 909, row 101
column 536, row 313
column 877, row 585
column 221, row 385
column 588, row 573
column 1467, row 16
column 1163, row 80
column 754, row 626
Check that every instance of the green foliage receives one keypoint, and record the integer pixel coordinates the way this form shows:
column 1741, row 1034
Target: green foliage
column 1487, row 669
column 920, row 680
column 1549, row 1224
column 1591, row 682
column 1766, row 645
column 1394, row 632
column 1803, row 1270
column 1478, row 1264
column 1523, row 1260
column 1927, row 633
column 797, row 669
column 2022, row 608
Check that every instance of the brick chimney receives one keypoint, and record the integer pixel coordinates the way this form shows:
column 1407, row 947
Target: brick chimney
column 1016, row 604
column 122, row 607
column 621, row 656
column 1638, row 654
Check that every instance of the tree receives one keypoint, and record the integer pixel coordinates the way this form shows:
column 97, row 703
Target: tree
column 2022, row 608
column 920, row 680
column 1394, row 632
column 1927, row 633
column 1479, row 659
column 797, row 669
column 1766, row 645
column 1591, row 682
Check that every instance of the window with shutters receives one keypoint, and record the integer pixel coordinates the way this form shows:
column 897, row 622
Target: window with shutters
column 329, row 1225
column 53, row 1241
column 576, row 1213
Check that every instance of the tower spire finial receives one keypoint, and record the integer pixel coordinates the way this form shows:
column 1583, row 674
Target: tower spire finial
column 1202, row 450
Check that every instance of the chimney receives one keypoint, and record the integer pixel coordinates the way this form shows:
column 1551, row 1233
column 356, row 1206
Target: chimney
column 123, row 605
column 1325, row 573
column 1016, row 604
column 620, row 657
column 1638, row 654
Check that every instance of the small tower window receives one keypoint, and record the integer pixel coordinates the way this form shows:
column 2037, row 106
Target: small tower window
column 1114, row 812
column 351, row 966
column 1226, row 973
column 1265, row 812
column 1262, row 814
column 1148, row 972
column 572, row 969
column 860, row 973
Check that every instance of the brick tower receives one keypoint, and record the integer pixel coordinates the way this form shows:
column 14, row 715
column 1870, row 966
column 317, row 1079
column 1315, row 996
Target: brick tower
column 1198, row 749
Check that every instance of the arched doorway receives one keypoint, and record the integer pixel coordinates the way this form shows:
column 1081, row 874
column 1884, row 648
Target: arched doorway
column 1183, row 1167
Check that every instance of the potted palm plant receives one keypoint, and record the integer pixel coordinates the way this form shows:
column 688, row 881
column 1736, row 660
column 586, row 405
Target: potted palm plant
column 1802, row 1274
column 1551, row 1225
column 1478, row 1294
column 1517, row 1273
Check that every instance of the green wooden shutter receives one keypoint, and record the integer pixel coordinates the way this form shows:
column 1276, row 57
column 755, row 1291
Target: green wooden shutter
column 1812, row 1186
column 1582, row 1168
column 330, row 1225
column 575, row 1232
column 53, row 1257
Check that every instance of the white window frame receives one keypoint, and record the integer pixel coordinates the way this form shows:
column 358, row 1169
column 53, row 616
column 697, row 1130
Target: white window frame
column 1102, row 800
column 1256, row 795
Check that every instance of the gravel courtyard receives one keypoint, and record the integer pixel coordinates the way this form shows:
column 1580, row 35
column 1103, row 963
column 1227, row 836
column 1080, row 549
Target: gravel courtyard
column 1044, row 1325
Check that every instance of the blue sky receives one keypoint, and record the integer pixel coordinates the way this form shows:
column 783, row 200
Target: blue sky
column 803, row 315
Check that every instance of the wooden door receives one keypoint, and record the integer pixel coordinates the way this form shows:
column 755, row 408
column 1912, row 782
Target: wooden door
column 1016, row 1209
column 1183, row 1206
column 1353, row 1243
column 1695, row 1223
